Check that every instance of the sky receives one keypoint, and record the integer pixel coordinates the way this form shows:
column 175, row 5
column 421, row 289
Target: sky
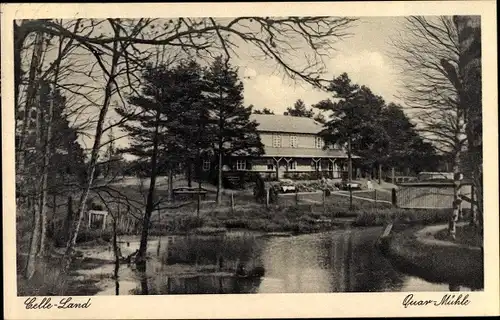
column 364, row 56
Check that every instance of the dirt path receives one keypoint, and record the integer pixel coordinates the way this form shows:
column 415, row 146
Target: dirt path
column 426, row 236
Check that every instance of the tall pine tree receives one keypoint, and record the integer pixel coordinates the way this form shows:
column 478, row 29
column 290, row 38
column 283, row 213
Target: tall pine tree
column 148, row 115
column 234, row 132
column 168, row 124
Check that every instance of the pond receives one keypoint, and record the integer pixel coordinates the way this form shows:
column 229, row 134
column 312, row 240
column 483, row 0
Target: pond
column 245, row 262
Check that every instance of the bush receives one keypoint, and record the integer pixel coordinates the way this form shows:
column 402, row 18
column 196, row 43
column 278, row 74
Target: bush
column 87, row 235
column 236, row 224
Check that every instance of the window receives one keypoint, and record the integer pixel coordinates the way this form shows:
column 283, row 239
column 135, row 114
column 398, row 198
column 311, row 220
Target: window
column 293, row 142
column 277, row 141
column 206, row 165
column 241, row 165
column 319, row 143
column 292, row 165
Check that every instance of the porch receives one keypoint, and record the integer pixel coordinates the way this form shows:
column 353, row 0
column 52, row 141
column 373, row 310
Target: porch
column 296, row 168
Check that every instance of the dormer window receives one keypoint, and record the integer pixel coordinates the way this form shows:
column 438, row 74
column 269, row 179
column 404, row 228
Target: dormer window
column 276, row 141
column 319, row 143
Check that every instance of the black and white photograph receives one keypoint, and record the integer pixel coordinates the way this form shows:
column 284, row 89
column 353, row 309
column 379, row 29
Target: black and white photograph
column 253, row 154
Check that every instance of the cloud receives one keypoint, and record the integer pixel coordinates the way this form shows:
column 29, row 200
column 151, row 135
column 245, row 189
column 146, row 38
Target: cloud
column 370, row 68
column 276, row 93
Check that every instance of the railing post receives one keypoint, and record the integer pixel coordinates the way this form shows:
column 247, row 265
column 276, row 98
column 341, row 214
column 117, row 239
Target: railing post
column 296, row 197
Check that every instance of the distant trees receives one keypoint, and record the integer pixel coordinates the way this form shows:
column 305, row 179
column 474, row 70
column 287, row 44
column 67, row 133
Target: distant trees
column 263, row 111
column 299, row 109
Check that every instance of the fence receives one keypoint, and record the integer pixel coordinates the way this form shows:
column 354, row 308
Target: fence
column 429, row 195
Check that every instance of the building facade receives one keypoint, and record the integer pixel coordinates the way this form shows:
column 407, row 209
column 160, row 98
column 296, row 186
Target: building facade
column 292, row 149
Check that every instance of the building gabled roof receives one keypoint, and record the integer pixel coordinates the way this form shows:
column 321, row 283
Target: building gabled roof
column 286, row 124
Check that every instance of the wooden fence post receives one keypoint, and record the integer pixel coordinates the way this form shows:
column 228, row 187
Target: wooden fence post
column 267, row 197
column 324, row 201
column 232, row 202
column 394, row 197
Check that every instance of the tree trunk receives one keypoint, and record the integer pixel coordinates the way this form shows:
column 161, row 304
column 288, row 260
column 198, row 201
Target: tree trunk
column 46, row 162
column 170, row 183
column 219, row 176
column 34, row 243
column 189, row 173
column 69, row 220
column 473, row 207
column 141, row 254
column 349, row 159
column 469, row 69
column 379, row 173
column 117, row 253
column 456, row 197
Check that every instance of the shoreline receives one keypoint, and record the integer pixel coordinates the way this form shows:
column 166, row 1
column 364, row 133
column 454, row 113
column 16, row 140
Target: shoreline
column 416, row 251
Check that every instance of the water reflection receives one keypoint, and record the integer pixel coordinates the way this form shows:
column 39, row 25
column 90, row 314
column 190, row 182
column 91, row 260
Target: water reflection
column 341, row 261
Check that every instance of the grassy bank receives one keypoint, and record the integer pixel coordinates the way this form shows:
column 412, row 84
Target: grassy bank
column 466, row 235
column 445, row 264
column 298, row 219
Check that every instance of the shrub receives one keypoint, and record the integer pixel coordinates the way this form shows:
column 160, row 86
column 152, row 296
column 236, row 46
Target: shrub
column 236, row 224
column 87, row 235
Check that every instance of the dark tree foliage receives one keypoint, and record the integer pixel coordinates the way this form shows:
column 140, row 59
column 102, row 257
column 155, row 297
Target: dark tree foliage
column 234, row 132
column 67, row 160
column 381, row 134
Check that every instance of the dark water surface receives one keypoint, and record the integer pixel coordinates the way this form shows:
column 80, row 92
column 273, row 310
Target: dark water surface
column 338, row 261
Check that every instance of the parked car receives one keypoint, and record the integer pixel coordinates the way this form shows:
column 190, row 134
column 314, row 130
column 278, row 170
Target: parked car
column 287, row 185
column 344, row 185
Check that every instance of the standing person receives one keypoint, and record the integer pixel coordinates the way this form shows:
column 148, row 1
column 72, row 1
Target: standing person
column 369, row 185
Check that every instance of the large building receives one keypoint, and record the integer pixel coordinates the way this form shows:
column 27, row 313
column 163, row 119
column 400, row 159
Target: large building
column 293, row 150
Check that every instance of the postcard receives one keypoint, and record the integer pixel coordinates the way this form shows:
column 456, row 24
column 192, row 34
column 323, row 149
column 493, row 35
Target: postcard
column 250, row 160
